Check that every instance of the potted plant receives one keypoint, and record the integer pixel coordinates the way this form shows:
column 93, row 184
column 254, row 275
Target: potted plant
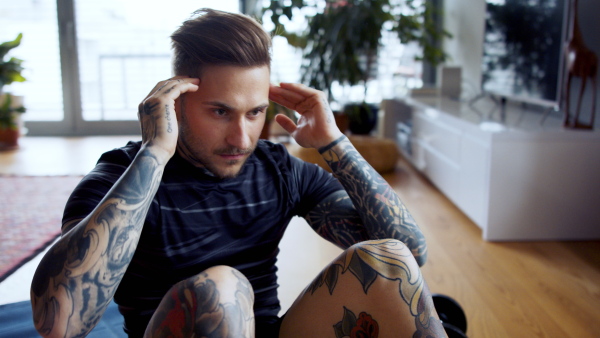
column 11, row 107
column 342, row 40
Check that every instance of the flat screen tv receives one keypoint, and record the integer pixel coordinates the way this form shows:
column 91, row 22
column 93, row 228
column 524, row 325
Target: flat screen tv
column 523, row 50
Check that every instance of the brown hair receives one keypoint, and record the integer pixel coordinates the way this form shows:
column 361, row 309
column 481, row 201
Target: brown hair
column 214, row 37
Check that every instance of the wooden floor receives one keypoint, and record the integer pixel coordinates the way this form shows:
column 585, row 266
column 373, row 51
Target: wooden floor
column 535, row 289
column 524, row 289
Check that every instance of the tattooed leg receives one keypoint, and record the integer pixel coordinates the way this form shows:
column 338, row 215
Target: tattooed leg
column 363, row 325
column 379, row 280
column 215, row 303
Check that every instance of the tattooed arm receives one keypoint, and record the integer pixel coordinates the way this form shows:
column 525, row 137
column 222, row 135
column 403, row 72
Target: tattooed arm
column 369, row 208
column 78, row 277
column 382, row 213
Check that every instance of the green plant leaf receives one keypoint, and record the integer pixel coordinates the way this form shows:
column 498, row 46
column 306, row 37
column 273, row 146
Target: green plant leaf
column 7, row 46
column 342, row 40
column 10, row 70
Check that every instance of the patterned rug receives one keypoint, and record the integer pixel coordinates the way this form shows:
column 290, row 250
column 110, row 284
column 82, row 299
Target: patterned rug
column 31, row 210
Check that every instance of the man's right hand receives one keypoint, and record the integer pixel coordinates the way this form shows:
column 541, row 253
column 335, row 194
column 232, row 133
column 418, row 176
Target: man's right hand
column 158, row 117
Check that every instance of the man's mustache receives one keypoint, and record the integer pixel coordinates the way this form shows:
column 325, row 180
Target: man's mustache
column 233, row 151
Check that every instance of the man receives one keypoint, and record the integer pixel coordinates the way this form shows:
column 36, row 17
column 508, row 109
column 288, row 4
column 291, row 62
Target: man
column 182, row 228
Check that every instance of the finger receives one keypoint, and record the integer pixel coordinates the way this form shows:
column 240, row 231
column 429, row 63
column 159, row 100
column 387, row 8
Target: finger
column 286, row 123
column 285, row 97
column 297, row 90
column 300, row 89
column 306, row 99
column 174, row 80
column 173, row 89
column 178, row 82
column 167, row 94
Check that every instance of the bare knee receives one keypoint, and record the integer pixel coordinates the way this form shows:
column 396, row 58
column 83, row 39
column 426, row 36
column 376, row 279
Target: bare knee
column 367, row 262
column 216, row 302
column 221, row 279
column 378, row 277
column 384, row 254
column 396, row 246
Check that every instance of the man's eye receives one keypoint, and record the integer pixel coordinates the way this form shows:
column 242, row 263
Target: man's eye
column 220, row 112
column 256, row 112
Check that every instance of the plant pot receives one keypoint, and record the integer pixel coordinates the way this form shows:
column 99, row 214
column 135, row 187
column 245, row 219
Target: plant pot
column 9, row 138
column 362, row 117
column 341, row 120
column 11, row 125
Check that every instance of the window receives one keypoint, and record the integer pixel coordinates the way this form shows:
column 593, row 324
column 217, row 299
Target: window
column 36, row 19
column 88, row 70
column 122, row 50
column 397, row 69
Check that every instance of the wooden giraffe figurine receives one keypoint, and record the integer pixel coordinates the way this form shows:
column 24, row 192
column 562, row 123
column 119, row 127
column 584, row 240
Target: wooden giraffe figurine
column 581, row 62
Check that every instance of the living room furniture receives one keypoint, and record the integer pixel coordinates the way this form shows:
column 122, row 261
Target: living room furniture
column 381, row 154
column 517, row 175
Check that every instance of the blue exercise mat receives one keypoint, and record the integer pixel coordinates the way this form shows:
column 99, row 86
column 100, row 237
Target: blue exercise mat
column 16, row 321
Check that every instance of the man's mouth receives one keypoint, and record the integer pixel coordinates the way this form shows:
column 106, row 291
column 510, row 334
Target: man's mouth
column 233, row 157
column 233, row 154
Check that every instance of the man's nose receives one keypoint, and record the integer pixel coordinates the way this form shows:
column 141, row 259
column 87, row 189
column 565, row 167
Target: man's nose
column 238, row 133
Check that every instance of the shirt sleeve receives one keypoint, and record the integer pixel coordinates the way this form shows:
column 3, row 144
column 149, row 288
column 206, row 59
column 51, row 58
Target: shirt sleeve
column 94, row 186
column 313, row 183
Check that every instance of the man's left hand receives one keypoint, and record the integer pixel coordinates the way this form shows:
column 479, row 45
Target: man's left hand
column 316, row 126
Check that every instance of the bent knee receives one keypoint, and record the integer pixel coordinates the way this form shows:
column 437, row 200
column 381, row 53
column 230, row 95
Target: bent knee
column 384, row 252
column 224, row 272
column 221, row 278
column 218, row 298
column 391, row 245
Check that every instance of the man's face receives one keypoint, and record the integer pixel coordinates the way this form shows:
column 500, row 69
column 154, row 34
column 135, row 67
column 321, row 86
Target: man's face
column 220, row 124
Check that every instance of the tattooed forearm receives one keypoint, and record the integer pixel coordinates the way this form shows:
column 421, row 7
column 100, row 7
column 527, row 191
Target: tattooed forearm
column 379, row 207
column 336, row 219
column 78, row 277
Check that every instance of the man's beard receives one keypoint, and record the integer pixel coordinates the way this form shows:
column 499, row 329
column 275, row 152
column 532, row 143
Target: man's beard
column 196, row 158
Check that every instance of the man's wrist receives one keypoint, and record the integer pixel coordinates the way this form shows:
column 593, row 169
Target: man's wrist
column 332, row 144
column 160, row 155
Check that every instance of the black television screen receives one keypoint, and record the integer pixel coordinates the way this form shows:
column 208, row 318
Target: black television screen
column 523, row 50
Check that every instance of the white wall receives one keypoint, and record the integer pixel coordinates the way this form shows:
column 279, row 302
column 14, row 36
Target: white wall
column 464, row 19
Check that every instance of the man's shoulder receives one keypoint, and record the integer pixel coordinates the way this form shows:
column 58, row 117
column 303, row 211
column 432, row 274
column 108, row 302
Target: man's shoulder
column 273, row 151
column 123, row 155
column 269, row 146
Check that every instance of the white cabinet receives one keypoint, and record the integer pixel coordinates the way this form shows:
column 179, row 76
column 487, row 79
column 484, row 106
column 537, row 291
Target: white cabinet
column 474, row 176
column 517, row 179
column 436, row 151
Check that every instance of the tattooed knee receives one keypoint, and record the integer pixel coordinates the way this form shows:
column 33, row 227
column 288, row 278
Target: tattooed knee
column 230, row 282
column 387, row 253
column 393, row 246
column 218, row 301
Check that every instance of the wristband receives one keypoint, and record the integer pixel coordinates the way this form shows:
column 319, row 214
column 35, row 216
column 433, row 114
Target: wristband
column 332, row 144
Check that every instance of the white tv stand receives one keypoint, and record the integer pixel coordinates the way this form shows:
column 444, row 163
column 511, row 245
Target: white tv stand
column 517, row 179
